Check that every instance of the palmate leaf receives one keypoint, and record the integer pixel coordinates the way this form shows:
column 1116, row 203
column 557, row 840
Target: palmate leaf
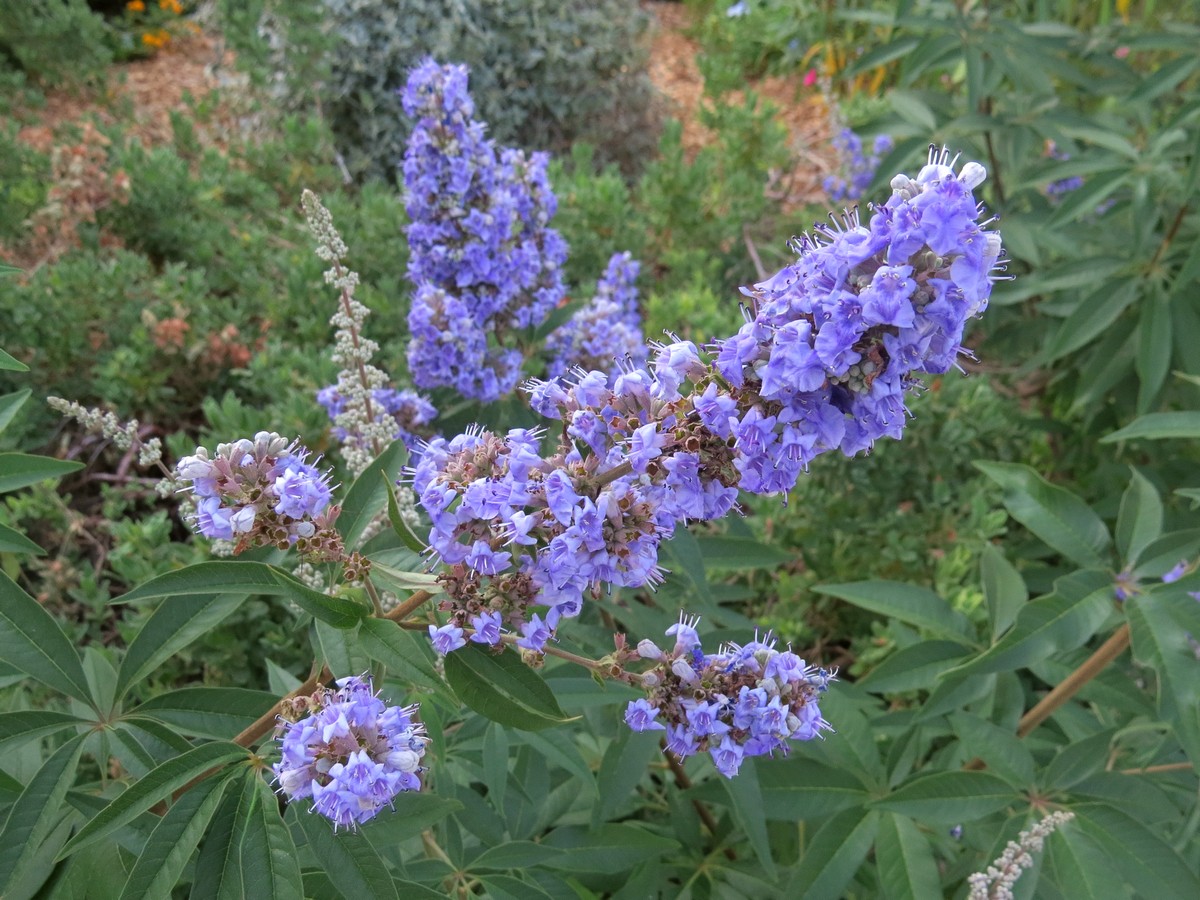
column 155, row 786
column 36, row 812
column 32, row 642
column 502, row 688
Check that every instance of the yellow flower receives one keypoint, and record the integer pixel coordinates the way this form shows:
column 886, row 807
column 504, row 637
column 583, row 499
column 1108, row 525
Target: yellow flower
column 135, row 6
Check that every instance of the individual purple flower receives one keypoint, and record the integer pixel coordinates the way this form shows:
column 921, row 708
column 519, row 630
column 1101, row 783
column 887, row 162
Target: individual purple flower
column 302, row 489
column 534, row 635
column 640, row 715
column 446, row 638
column 348, row 751
column 607, row 330
column 487, row 628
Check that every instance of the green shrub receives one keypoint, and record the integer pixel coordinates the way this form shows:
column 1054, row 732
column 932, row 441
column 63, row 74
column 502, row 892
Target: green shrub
column 544, row 73
column 53, row 41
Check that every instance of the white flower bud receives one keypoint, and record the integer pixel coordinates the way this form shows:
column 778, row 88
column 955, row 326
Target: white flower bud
column 647, row 649
column 242, row 520
column 972, row 175
column 682, row 668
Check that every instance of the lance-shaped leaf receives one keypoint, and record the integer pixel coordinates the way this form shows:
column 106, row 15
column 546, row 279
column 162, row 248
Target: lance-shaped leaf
column 1063, row 620
column 18, row 470
column 1143, row 858
column 403, row 530
column 1140, row 520
column 171, row 627
column 211, row 712
column 27, row 724
column 170, row 845
column 32, row 642
column 155, row 786
column 36, row 812
column 907, row 869
column 1054, row 514
column 1160, row 639
column 229, row 576
column 950, row 797
column 12, row 541
column 266, row 853
column 834, row 854
column 1158, row 426
column 367, row 496
column 354, row 866
column 502, row 688
column 907, row 602
column 402, row 653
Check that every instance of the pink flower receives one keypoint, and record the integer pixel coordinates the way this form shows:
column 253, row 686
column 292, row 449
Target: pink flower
column 810, row 77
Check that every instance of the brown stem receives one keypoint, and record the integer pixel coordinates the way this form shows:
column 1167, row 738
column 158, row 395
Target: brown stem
column 417, row 600
column 1165, row 767
column 625, row 468
column 267, row 720
column 1093, row 666
column 1168, row 238
column 683, row 783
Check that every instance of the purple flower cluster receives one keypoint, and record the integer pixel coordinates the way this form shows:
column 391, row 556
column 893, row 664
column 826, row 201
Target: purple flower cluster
column 829, row 348
column 607, row 329
column 260, row 491
column 742, row 701
column 409, row 411
column 350, row 753
column 482, row 254
column 856, row 168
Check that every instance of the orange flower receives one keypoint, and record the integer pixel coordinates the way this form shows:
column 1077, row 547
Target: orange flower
column 171, row 6
column 135, row 6
column 156, row 40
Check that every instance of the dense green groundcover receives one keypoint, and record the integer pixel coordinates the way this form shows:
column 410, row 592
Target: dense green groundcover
column 992, row 587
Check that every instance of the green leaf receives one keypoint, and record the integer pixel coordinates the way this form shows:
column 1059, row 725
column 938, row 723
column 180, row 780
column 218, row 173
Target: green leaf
column 912, row 109
column 404, row 655
column 173, row 626
column 36, row 812
column 508, row 887
column 1063, row 620
column 9, row 404
column 32, row 642
column 835, row 854
column 12, row 541
column 1154, row 350
column 1003, row 589
column 367, row 496
column 1078, row 760
column 229, row 576
column 1142, row 857
column 907, row 602
column 746, row 798
column 155, row 786
column 1158, row 426
column 799, row 788
column 502, row 688
column 18, row 470
column 907, row 869
column 399, row 580
column 950, row 797
column 734, row 554
column 1160, row 640
column 1084, row 200
column 340, row 650
column 914, row 668
column 266, row 855
column 1080, row 869
column 211, row 712
column 513, row 855
column 414, row 812
column 1140, row 519
column 624, row 766
column 11, row 365
column 401, row 528
column 217, row 873
column 1094, row 314
column 607, row 849
column 162, row 861
column 1053, row 513
column 882, row 55
column 27, row 724
column 1004, row 752
column 353, row 864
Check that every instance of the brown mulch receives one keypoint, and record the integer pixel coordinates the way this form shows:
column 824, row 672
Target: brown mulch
column 801, row 109
column 193, row 64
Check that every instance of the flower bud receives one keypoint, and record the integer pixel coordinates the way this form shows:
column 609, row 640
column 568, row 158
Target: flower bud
column 647, row 649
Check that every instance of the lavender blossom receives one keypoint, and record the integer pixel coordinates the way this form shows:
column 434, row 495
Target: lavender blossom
column 741, row 701
column 828, row 350
column 482, row 255
column 349, row 752
column 607, row 329
column 856, row 168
